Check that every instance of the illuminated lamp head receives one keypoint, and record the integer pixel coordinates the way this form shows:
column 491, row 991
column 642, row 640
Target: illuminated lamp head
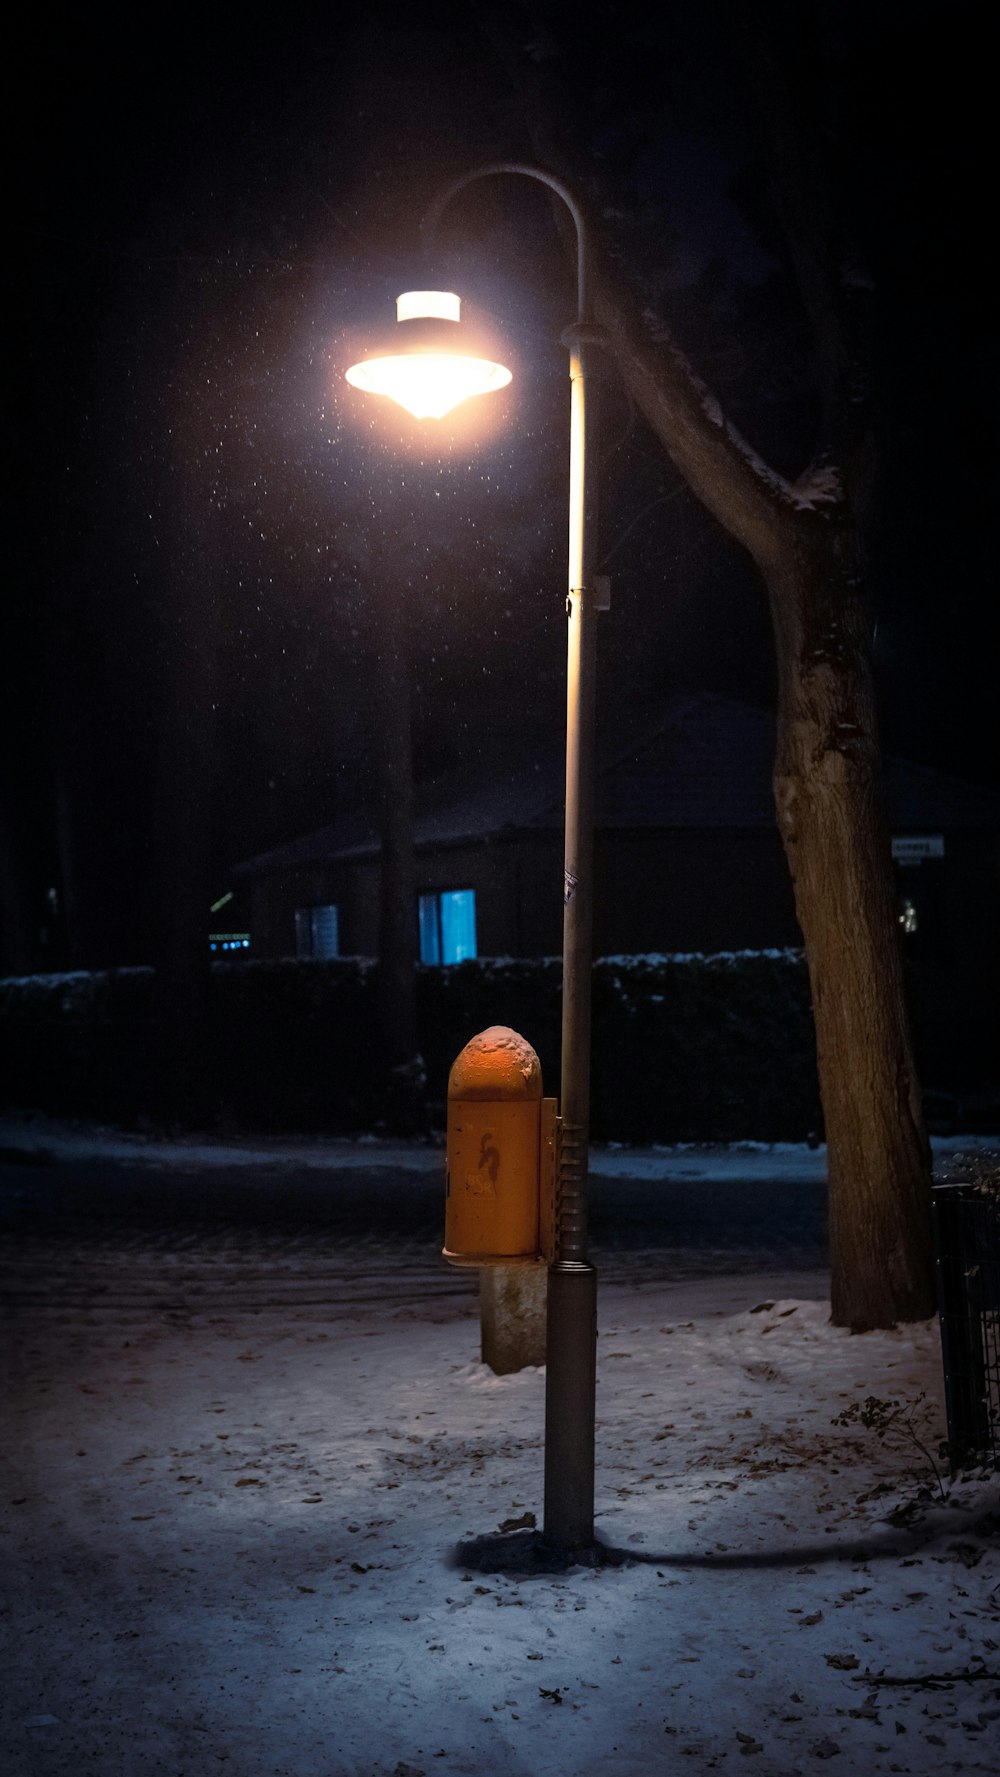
column 431, row 363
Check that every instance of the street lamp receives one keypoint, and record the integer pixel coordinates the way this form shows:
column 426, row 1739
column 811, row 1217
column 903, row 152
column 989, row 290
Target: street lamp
column 429, row 368
column 424, row 366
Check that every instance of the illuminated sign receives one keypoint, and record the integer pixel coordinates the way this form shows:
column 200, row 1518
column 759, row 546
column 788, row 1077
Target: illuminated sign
column 914, row 848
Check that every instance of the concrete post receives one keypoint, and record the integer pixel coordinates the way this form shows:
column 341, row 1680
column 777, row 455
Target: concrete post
column 512, row 1307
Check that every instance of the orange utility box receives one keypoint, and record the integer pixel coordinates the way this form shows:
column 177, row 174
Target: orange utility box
column 501, row 1165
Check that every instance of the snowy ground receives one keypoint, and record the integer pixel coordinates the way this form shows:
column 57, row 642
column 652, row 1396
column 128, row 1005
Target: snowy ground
column 61, row 1138
column 233, row 1524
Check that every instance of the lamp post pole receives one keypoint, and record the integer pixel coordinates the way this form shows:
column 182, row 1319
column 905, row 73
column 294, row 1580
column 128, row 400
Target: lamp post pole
column 571, row 1327
column 571, row 1334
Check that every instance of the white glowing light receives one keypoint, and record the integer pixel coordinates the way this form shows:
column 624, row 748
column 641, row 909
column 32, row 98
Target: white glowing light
column 428, row 384
column 425, row 379
column 440, row 305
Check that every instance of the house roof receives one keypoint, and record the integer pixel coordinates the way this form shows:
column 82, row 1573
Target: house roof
column 699, row 761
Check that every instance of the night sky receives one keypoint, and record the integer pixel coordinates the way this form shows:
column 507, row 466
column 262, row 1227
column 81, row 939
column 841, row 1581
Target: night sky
column 214, row 213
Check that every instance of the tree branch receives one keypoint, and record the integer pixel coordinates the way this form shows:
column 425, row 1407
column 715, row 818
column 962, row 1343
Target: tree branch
column 749, row 498
column 835, row 292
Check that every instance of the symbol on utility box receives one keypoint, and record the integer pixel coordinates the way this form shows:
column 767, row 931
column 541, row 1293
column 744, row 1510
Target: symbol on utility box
column 483, row 1182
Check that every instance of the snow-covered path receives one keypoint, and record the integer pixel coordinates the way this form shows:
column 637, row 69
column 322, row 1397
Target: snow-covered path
column 230, row 1541
column 234, row 1516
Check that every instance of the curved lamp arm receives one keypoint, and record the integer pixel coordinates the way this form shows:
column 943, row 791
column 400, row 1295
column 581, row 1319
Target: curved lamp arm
column 428, row 227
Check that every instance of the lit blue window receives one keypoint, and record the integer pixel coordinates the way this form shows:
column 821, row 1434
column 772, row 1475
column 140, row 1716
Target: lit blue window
column 317, row 931
column 429, row 914
column 447, row 926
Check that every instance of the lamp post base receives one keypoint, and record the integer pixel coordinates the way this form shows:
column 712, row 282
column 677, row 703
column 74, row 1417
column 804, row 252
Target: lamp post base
column 525, row 1552
column 570, row 1382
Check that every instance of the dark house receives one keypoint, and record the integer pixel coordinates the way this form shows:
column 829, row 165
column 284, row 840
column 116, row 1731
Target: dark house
column 688, row 858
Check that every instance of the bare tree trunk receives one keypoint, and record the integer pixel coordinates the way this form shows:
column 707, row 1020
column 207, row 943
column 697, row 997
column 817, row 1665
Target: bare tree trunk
column 185, row 781
column 15, row 941
column 828, row 796
column 186, row 768
column 831, row 817
column 404, row 1074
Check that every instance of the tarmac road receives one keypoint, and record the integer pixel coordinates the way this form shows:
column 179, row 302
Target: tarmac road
column 176, row 1232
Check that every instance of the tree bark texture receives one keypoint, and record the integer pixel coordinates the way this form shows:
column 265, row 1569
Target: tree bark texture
column 830, row 811
column 831, row 818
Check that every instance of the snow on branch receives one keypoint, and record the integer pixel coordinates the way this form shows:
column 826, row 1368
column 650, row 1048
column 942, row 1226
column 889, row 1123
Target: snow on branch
column 660, row 332
column 819, row 486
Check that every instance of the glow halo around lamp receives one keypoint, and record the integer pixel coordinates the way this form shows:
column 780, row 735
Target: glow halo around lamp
column 432, row 362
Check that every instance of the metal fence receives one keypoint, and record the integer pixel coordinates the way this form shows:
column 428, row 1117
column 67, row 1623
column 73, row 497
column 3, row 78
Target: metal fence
column 967, row 1239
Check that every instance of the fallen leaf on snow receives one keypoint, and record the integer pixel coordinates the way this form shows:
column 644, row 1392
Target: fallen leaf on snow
column 527, row 1522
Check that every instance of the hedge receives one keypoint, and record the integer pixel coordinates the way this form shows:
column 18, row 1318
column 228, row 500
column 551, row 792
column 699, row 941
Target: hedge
column 684, row 1047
